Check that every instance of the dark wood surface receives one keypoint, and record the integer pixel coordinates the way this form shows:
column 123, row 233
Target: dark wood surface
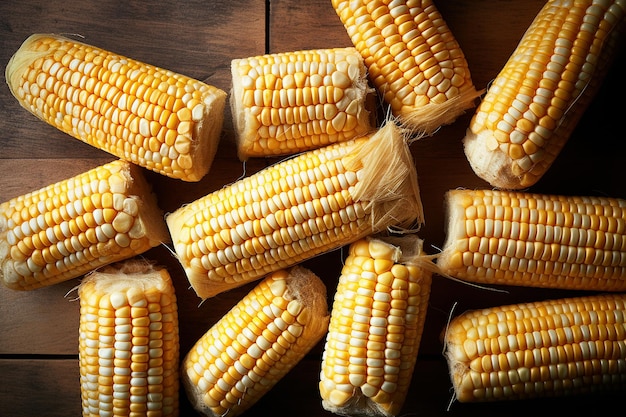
column 39, row 329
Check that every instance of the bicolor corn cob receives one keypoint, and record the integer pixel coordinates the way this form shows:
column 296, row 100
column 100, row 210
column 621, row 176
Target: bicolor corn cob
column 72, row 227
column 525, row 239
column 256, row 343
column 290, row 102
column 128, row 342
column 298, row 208
column 413, row 59
column 155, row 118
column 542, row 349
column 375, row 327
column 535, row 102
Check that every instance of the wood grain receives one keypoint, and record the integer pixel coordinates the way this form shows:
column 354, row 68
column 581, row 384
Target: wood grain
column 38, row 329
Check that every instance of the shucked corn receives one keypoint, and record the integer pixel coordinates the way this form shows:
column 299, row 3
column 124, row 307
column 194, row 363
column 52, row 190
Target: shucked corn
column 412, row 58
column 549, row 348
column 72, row 227
column 526, row 239
column 535, row 102
column 242, row 356
column 375, row 327
column 128, row 342
column 290, row 102
column 163, row 121
column 296, row 209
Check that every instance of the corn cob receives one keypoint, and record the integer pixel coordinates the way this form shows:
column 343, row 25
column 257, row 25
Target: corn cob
column 525, row 239
column 535, row 102
column 69, row 228
column 166, row 122
column 291, row 102
column 375, row 327
column 412, row 58
column 296, row 209
column 256, row 343
column 128, row 342
column 541, row 349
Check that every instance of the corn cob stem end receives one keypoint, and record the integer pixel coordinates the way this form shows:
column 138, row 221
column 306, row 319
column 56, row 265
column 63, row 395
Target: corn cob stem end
column 492, row 165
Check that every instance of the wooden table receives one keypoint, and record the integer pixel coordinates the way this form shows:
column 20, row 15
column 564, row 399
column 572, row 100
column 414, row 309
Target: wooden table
column 39, row 329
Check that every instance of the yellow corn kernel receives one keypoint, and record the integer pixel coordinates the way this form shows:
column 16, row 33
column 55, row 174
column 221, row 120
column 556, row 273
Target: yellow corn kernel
column 155, row 118
column 534, row 240
column 296, row 209
column 256, row 343
column 550, row 348
column 128, row 342
column 72, row 227
column 291, row 102
column 375, row 327
column 535, row 102
column 412, row 58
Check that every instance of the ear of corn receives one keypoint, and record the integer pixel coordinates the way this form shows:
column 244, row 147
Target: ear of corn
column 413, row 60
column 525, row 239
column 155, row 118
column 299, row 208
column 290, row 102
column 256, row 343
column 541, row 349
column 128, row 342
column 375, row 327
column 67, row 229
column 536, row 100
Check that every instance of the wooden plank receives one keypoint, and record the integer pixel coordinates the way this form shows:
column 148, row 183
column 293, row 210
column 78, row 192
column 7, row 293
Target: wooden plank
column 44, row 321
column 304, row 25
column 52, row 389
column 46, row 388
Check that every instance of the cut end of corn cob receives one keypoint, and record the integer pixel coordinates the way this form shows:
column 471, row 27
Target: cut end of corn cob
column 535, row 102
column 534, row 240
column 543, row 349
column 155, row 118
column 413, row 60
column 256, row 343
column 72, row 227
column 128, row 341
column 291, row 102
column 375, row 327
column 297, row 209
